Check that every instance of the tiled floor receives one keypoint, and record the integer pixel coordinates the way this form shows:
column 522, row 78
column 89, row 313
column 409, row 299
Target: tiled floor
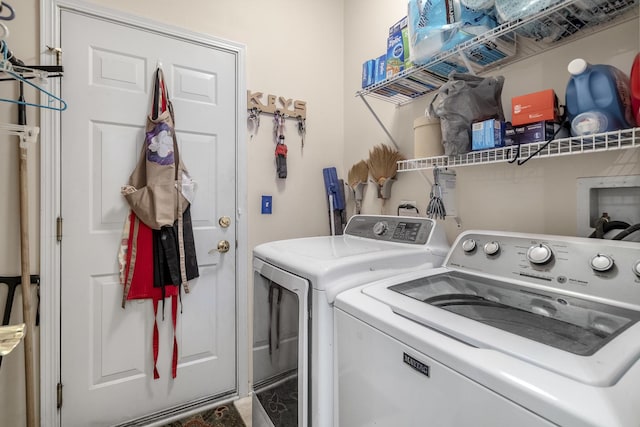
column 244, row 408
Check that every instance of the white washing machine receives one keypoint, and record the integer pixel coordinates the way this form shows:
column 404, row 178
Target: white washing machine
column 295, row 284
column 514, row 330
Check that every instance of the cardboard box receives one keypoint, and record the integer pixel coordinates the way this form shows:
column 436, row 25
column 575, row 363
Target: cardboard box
column 402, row 26
column 534, row 107
column 395, row 55
column 368, row 73
column 444, row 68
column 491, row 52
column 398, row 48
column 487, row 134
column 533, row 132
column 381, row 69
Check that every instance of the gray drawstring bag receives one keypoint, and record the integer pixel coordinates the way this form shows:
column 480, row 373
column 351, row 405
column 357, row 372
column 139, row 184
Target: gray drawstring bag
column 461, row 101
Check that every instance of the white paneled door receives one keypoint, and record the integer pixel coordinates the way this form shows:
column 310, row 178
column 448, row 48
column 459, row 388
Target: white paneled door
column 106, row 351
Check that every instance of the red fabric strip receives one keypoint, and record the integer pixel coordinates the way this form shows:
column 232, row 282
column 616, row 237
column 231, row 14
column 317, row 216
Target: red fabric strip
column 156, row 375
column 174, row 316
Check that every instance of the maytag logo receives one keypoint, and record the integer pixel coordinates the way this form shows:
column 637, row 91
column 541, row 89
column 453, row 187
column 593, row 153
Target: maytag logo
column 416, row 364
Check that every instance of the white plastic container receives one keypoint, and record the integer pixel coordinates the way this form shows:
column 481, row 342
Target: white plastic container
column 427, row 138
column 589, row 123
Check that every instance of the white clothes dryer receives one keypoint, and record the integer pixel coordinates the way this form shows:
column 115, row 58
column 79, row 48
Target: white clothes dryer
column 514, row 330
column 295, row 284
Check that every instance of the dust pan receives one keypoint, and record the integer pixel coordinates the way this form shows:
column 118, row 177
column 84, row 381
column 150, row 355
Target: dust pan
column 357, row 178
column 383, row 166
column 10, row 336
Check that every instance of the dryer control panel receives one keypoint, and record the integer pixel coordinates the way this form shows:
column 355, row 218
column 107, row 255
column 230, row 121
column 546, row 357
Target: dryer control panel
column 398, row 229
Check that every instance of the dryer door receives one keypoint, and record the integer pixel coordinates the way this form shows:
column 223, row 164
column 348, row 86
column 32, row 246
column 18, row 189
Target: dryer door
column 280, row 346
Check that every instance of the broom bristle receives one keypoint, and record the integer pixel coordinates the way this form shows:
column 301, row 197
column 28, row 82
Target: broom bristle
column 358, row 173
column 383, row 163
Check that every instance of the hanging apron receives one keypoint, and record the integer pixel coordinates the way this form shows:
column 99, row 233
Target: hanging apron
column 157, row 254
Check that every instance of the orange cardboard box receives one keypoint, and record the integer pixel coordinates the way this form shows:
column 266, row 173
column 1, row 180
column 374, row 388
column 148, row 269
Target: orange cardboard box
column 534, row 107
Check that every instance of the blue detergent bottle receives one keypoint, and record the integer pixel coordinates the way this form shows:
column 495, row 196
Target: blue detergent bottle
column 598, row 98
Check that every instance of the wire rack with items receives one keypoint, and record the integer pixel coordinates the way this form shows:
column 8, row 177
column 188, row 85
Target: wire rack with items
column 617, row 140
column 511, row 41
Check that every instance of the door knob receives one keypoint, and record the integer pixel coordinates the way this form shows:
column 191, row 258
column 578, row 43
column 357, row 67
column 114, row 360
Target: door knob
column 223, row 246
column 224, row 221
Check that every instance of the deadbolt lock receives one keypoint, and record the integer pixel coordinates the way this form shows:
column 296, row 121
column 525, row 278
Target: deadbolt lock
column 224, row 221
column 223, row 246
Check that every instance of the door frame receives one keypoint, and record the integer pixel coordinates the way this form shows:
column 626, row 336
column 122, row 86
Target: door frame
column 51, row 191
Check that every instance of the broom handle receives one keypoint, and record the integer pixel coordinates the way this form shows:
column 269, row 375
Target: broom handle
column 26, row 271
column 332, row 220
column 26, row 288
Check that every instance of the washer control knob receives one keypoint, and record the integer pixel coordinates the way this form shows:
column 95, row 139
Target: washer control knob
column 539, row 254
column 636, row 268
column 601, row 262
column 469, row 245
column 492, row 248
column 380, row 227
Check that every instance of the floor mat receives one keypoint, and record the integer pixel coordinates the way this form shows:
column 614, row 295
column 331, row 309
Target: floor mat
column 281, row 403
column 222, row 416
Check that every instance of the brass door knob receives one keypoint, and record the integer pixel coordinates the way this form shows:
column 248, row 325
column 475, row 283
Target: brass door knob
column 223, row 246
column 224, row 221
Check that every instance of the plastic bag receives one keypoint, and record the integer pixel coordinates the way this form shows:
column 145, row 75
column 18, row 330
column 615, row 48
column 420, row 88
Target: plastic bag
column 463, row 100
column 439, row 25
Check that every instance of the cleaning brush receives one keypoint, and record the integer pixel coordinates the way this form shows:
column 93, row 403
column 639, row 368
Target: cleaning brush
column 383, row 166
column 357, row 178
column 436, row 208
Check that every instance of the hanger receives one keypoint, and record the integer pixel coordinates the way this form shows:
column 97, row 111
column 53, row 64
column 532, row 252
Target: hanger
column 12, row 14
column 17, row 73
column 61, row 106
column 16, row 69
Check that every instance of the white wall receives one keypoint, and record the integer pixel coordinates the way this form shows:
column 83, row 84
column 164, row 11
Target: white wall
column 539, row 196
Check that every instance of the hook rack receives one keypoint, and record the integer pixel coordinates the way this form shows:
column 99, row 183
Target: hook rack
column 276, row 104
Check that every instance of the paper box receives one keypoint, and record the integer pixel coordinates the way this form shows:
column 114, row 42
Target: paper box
column 368, row 72
column 487, row 134
column 534, row 107
column 402, row 26
column 381, row 69
column 395, row 55
column 444, row 68
column 533, row 132
column 491, row 52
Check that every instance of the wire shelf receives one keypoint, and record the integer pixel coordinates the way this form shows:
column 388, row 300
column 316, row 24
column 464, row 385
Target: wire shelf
column 510, row 42
column 608, row 141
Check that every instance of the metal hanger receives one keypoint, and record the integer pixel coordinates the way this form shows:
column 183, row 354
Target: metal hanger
column 16, row 70
column 54, row 102
column 12, row 14
column 12, row 67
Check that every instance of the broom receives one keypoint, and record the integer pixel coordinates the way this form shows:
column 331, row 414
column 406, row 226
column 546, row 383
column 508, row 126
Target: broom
column 357, row 179
column 383, row 168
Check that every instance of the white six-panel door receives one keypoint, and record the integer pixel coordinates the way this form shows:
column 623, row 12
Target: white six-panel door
column 106, row 352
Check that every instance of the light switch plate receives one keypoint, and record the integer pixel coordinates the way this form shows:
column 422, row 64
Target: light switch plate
column 266, row 205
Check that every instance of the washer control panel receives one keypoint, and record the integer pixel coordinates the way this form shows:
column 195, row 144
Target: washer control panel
column 413, row 230
column 602, row 268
